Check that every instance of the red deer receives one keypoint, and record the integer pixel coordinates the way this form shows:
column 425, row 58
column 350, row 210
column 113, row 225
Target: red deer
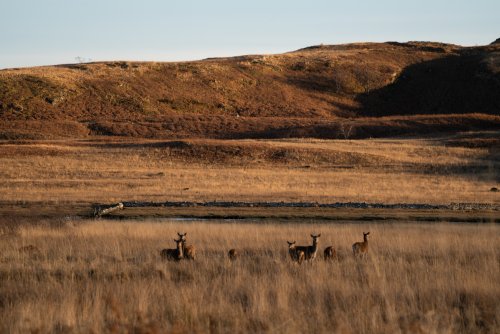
column 295, row 255
column 309, row 251
column 233, row 254
column 361, row 248
column 330, row 253
column 190, row 250
column 175, row 254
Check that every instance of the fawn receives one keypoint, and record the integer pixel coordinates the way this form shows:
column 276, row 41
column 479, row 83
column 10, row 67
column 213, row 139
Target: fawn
column 330, row 253
column 295, row 255
column 233, row 254
column 361, row 248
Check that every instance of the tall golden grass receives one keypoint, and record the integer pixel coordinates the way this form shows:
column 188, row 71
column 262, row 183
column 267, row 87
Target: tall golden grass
column 105, row 276
column 390, row 171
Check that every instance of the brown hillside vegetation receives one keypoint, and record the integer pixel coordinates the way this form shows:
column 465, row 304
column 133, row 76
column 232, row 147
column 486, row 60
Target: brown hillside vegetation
column 347, row 91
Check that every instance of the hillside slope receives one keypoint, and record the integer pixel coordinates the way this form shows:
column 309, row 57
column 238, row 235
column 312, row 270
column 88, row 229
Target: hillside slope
column 345, row 91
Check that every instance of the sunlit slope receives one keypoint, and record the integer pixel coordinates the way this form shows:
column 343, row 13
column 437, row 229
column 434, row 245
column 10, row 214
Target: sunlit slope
column 345, row 91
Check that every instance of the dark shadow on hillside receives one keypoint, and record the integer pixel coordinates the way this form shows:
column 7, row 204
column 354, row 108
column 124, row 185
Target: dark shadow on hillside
column 315, row 83
column 170, row 144
column 417, row 127
column 463, row 83
column 466, row 82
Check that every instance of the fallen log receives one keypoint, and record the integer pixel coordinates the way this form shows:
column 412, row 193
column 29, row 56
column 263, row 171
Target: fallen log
column 101, row 210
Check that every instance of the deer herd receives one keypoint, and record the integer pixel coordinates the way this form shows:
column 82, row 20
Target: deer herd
column 297, row 254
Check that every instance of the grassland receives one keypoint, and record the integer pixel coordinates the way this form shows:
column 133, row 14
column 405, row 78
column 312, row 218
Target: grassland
column 381, row 171
column 108, row 277
column 85, row 276
column 376, row 123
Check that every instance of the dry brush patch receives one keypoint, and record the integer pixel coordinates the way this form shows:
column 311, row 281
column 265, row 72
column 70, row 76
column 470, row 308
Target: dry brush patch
column 108, row 276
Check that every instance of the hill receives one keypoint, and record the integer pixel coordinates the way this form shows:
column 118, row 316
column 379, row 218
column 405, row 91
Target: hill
column 341, row 91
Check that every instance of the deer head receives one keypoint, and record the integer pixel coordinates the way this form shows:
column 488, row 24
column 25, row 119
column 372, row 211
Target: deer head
column 182, row 237
column 315, row 237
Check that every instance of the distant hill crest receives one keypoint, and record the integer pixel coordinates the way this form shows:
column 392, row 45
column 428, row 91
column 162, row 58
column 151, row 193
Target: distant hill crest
column 321, row 91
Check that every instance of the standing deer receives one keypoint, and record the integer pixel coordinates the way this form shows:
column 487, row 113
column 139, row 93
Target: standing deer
column 190, row 250
column 309, row 251
column 175, row 254
column 330, row 253
column 233, row 254
column 295, row 255
column 361, row 248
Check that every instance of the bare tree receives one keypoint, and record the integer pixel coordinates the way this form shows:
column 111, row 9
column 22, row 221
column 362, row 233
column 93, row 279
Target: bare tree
column 346, row 129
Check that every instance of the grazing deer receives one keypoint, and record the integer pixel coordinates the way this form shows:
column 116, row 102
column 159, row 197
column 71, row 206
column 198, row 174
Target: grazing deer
column 175, row 254
column 309, row 251
column 361, row 248
column 330, row 253
column 190, row 250
column 233, row 254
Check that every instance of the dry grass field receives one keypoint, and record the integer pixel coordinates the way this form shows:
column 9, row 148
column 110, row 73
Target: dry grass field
column 383, row 123
column 455, row 169
column 102, row 276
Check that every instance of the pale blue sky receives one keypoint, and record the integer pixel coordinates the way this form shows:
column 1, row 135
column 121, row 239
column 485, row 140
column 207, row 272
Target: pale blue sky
column 38, row 32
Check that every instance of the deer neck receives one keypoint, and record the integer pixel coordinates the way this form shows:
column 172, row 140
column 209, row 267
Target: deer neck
column 315, row 245
column 180, row 250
